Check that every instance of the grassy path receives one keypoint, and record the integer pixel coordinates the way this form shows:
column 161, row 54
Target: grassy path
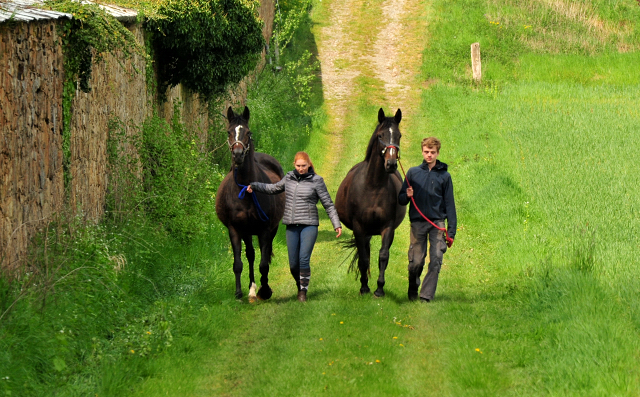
column 339, row 341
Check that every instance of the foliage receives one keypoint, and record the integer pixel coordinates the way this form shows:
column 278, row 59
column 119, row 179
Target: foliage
column 206, row 44
column 91, row 32
column 100, row 305
column 74, row 308
column 290, row 16
column 178, row 178
column 162, row 170
column 281, row 103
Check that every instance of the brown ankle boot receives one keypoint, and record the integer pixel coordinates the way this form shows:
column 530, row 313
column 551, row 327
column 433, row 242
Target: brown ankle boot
column 302, row 295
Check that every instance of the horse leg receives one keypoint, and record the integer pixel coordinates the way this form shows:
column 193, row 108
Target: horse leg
column 266, row 248
column 383, row 259
column 363, row 244
column 250, row 253
column 236, row 245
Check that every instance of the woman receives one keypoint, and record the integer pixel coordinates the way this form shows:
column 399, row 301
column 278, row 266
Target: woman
column 303, row 189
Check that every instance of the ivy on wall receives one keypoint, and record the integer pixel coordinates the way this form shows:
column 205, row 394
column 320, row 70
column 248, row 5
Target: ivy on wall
column 206, row 45
column 91, row 33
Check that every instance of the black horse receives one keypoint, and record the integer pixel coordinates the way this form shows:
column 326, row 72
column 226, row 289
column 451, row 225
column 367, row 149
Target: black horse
column 259, row 215
column 367, row 199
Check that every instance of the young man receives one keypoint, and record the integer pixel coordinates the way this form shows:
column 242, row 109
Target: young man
column 431, row 187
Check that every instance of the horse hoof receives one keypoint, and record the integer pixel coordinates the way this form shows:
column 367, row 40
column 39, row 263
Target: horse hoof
column 252, row 293
column 264, row 293
column 364, row 291
column 238, row 295
column 379, row 293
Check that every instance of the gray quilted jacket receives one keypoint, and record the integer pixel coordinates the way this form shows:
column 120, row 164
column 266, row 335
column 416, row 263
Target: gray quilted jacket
column 302, row 195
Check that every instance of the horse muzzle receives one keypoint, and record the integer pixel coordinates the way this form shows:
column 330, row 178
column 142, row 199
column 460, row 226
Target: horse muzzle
column 238, row 156
column 391, row 165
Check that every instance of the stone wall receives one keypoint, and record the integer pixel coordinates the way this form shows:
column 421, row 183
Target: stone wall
column 116, row 92
column 31, row 89
column 31, row 177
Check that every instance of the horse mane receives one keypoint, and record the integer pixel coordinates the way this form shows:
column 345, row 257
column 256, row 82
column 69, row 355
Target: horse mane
column 374, row 140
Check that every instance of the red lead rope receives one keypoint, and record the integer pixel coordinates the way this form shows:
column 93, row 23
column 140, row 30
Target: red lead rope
column 449, row 239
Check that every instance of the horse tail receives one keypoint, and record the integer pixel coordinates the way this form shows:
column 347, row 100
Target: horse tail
column 353, row 255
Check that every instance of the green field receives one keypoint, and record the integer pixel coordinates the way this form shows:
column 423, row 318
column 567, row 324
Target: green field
column 540, row 294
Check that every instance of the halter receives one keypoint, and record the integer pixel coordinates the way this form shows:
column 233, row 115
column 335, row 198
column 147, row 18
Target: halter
column 244, row 147
column 387, row 146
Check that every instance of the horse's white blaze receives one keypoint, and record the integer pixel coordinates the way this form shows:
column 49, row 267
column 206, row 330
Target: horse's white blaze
column 238, row 130
column 390, row 136
column 252, row 292
column 391, row 151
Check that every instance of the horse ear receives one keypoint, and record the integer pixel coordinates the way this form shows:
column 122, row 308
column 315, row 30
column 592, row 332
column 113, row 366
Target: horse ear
column 230, row 114
column 381, row 116
column 398, row 116
column 245, row 114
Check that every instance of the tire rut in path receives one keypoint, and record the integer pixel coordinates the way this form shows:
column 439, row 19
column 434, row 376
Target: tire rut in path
column 337, row 47
column 394, row 59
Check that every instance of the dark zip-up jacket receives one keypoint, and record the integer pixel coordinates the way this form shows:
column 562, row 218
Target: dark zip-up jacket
column 433, row 193
column 302, row 194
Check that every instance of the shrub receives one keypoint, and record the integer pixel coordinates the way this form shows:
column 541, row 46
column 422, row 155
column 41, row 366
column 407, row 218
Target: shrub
column 206, row 45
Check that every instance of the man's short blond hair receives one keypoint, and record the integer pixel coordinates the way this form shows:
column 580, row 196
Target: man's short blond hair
column 431, row 142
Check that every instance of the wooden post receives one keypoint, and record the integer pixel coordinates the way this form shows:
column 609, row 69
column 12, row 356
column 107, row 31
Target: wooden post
column 475, row 62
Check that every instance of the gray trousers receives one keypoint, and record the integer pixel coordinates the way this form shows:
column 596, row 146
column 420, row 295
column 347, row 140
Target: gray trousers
column 420, row 233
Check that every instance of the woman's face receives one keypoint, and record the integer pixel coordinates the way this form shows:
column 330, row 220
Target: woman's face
column 301, row 166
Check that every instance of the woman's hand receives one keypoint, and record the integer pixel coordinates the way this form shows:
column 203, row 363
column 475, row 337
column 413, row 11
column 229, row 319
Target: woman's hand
column 339, row 231
column 409, row 192
column 249, row 190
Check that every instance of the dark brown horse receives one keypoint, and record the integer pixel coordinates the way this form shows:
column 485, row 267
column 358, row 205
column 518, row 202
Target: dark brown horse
column 367, row 199
column 254, row 215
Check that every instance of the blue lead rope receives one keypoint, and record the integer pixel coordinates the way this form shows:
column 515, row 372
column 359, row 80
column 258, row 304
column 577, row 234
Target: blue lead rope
column 243, row 192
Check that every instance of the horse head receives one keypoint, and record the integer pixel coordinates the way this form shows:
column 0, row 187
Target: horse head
column 389, row 139
column 239, row 135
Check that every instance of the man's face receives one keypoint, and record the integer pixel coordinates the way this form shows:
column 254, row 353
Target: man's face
column 430, row 155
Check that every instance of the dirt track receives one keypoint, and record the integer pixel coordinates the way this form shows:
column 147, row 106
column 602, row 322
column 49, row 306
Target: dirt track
column 388, row 51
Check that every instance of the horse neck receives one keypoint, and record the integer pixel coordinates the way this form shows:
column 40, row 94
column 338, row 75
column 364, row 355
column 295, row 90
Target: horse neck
column 376, row 174
column 247, row 173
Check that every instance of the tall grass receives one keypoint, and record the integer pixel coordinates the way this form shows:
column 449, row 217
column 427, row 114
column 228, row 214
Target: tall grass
column 538, row 296
column 99, row 302
column 508, row 30
column 545, row 268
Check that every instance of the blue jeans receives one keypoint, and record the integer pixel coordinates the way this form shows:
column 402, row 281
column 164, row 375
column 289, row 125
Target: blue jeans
column 300, row 242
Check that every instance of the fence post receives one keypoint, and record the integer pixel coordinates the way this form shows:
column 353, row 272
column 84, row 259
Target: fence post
column 475, row 62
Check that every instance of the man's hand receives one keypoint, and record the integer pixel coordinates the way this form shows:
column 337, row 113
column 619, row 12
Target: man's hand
column 249, row 190
column 409, row 192
column 339, row 231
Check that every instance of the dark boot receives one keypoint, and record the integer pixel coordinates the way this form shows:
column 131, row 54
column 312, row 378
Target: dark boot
column 413, row 288
column 302, row 295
